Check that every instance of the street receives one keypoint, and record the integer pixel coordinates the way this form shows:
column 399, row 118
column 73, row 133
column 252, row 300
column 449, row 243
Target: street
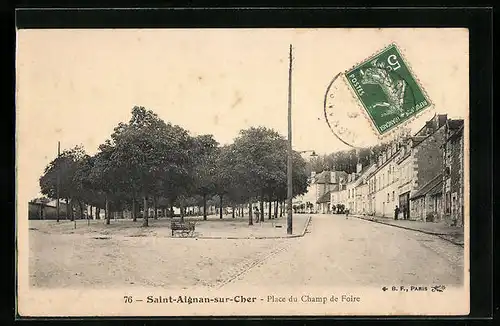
column 334, row 251
column 340, row 251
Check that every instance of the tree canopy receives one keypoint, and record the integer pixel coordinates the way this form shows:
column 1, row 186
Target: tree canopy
column 147, row 161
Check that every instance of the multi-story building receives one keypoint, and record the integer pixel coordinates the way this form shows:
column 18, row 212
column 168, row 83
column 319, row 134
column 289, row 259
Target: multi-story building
column 361, row 190
column 320, row 186
column 406, row 171
column 405, row 176
column 453, row 173
column 427, row 160
column 351, row 192
column 382, row 193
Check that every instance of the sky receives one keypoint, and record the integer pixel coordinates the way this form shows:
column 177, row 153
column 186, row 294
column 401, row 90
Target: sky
column 75, row 86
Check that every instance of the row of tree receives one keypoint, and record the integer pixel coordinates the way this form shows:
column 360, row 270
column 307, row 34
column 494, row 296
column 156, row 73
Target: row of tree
column 147, row 162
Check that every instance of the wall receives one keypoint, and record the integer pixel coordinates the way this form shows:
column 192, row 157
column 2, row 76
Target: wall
column 386, row 187
column 453, row 185
column 49, row 212
column 428, row 158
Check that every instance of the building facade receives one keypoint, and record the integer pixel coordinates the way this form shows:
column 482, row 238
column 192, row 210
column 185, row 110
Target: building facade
column 427, row 157
column 362, row 190
column 324, row 183
column 453, row 173
column 382, row 192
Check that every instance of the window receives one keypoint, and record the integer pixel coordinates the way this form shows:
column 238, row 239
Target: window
column 388, row 197
column 393, row 196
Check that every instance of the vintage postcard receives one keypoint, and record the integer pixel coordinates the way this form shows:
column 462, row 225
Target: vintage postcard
column 242, row 172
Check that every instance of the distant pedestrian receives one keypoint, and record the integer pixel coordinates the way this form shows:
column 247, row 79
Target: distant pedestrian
column 396, row 213
column 346, row 213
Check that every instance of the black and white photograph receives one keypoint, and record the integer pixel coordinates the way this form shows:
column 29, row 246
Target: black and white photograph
column 227, row 172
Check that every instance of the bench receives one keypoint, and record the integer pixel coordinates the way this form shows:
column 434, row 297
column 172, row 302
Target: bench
column 185, row 228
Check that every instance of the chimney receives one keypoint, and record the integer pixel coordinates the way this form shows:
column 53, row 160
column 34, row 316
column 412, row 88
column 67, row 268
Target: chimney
column 333, row 179
column 359, row 166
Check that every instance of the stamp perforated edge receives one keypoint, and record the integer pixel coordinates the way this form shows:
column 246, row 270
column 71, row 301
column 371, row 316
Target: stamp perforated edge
column 394, row 130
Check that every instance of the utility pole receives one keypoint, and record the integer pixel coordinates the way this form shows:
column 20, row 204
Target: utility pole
column 58, row 179
column 289, row 223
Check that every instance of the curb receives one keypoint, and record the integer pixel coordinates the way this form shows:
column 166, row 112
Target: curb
column 439, row 235
column 306, row 225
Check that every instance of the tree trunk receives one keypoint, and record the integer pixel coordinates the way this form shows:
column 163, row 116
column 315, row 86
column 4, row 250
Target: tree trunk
column 250, row 217
column 269, row 208
column 134, row 212
column 181, row 208
column 262, row 207
column 80, row 206
column 204, row 207
column 276, row 209
column 234, row 208
column 97, row 213
column 68, row 216
column 106, row 212
column 71, row 215
column 220, row 208
column 171, row 208
column 146, row 211
column 155, row 208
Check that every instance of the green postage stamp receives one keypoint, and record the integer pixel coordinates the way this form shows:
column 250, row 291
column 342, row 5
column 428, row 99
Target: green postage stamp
column 387, row 89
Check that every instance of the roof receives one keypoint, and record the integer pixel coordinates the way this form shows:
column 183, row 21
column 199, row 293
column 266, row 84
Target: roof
column 322, row 177
column 456, row 134
column 325, row 176
column 441, row 121
column 437, row 190
column 324, row 199
column 365, row 168
column 455, row 124
column 387, row 161
column 365, row 173
column 48, row 202
column 407, row 154
column 430, row 187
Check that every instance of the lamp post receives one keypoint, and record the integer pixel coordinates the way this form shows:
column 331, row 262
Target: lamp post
column 289, row 224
